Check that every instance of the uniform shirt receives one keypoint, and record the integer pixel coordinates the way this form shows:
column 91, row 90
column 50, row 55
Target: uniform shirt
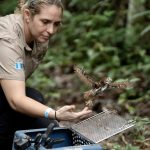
column 17, row 59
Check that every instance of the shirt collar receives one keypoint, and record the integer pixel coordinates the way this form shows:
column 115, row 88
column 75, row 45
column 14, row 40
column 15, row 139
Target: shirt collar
column 20, row 22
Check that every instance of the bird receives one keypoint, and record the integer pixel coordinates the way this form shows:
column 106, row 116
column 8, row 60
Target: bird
column 97, row 87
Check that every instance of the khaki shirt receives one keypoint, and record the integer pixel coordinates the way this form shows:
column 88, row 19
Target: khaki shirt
column 17, row 59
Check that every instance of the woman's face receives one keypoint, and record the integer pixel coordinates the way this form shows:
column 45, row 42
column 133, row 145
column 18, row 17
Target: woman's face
column 43, row 25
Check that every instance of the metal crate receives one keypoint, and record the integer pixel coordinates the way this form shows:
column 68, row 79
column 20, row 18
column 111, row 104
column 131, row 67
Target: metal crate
column 72, row 140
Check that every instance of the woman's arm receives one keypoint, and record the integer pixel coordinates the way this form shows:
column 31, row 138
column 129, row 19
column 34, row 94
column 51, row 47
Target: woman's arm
column 17, row 99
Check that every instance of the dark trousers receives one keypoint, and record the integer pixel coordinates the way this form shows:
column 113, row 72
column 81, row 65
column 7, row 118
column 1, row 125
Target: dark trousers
column 11, row 121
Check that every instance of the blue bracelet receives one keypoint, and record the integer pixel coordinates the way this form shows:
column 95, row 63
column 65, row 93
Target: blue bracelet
column 46, row 113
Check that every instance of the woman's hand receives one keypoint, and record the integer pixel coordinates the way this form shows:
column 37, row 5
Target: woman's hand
column 67, row 113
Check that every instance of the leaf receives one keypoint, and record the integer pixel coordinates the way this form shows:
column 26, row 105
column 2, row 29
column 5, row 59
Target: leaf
column 145, row 31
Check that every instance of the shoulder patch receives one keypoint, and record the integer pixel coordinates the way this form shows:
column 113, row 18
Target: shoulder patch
column 19, row 65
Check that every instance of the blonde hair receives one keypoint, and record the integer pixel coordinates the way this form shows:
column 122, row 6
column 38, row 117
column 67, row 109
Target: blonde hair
column 35, row 5
column 19, row 6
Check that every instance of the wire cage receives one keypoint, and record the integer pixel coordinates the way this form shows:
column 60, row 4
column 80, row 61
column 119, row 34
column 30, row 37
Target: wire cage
column 102, row 126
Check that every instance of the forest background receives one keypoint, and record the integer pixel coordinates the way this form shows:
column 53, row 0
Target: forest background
column 106, row 38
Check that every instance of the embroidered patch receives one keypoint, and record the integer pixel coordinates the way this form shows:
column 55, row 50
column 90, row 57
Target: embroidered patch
column 19, row 64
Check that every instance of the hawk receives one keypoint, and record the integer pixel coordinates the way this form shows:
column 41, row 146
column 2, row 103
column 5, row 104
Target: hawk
column 97, row 87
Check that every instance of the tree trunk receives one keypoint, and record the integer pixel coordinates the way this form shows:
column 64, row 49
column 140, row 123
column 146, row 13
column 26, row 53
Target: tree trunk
column 134, row 7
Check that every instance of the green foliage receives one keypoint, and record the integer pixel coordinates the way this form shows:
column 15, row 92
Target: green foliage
column 143, row 14
column 7, row 6
column 129, row 147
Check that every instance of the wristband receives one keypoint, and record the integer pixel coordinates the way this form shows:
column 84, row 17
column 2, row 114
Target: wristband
column 46, row 113
column 56, row 116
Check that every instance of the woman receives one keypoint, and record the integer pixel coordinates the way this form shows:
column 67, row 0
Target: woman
column 23, row 43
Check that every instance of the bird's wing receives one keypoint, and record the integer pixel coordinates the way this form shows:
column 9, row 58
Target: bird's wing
column 120, row 84
column 84, row 76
